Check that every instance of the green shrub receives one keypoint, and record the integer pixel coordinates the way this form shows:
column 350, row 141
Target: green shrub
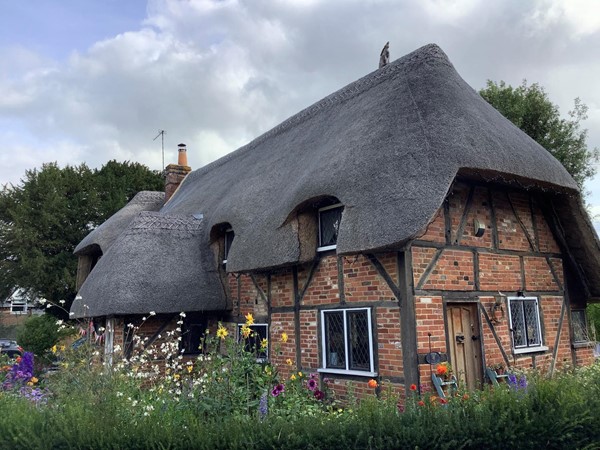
column 39, row 334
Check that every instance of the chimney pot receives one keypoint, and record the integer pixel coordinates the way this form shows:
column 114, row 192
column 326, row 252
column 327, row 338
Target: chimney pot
column 182, row 155
column 175, row 173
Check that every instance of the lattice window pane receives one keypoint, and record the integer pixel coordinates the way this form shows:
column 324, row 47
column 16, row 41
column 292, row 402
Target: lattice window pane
column 358, row 337
column 580, row 329
column 329, row 221
column 518, row 323
column 531, row 322
column 334, row 340
column 229, row 235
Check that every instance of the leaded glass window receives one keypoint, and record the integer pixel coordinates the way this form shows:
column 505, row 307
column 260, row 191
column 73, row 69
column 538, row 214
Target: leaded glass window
column 525, row 322
column 229, row 235
column 580, row 329
column 347, row 340
column 329, row 224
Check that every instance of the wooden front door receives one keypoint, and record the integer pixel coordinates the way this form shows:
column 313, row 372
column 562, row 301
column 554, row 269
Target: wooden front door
column 465, row 344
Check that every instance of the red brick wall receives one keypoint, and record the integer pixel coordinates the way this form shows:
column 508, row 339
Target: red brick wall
column 523, row 258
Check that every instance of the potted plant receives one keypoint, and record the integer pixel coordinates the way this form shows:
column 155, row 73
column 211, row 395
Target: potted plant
column 444, row 370
column 499, row 368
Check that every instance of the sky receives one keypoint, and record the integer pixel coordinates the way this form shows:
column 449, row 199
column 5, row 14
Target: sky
column 87, row 81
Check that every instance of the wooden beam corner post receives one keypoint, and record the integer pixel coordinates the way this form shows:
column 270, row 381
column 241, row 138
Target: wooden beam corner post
column 408, row 319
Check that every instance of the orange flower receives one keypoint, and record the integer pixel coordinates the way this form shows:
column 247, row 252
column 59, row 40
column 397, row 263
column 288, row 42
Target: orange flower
column 413, row 387
column 443, row 401
column 421, row 403
column 441, row 369
column 372, row 383
column 465, row 397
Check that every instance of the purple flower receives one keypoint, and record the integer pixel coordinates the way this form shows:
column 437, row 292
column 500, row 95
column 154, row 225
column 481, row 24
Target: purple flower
column 277, row 390
column 311, row 384
column 319, row 395
column 263, row 407
column 314, row 375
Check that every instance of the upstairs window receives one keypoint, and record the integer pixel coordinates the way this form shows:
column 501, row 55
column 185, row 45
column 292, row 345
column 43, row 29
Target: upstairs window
column 229, row 235
column 329, row 224
column 525, row 324
column 18, row 307
column 347, row 341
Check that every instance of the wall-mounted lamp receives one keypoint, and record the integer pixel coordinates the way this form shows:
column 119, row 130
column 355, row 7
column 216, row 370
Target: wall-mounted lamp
column 479, row 228
column 520, row 294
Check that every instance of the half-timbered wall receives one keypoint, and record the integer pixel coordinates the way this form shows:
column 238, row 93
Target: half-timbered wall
column 517, row 255
column 410, row 290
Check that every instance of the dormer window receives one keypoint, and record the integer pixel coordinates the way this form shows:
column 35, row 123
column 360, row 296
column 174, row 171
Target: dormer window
column 229, row 235
column 329, row 224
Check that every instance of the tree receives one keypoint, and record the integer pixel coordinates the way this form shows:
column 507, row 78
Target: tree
column 52, row 209
column 529, row 108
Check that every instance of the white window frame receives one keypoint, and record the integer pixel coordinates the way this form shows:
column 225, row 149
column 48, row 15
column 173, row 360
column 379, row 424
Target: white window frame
column 20, row 303
column 526, row 348
column 225, row 246
column 320, row 210
column 109, row 339
column 365, row 373
column 256, row 325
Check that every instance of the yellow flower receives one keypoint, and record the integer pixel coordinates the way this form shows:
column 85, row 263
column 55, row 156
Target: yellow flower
column 284, row 337
column 293, row 377
column 222, row 332
column 300, row 374
column 249, row 319
column 62, row 348
column 34, row 380
column 264, row 343
column 245, row 331
column 268, row 370
column 176, row 376
column 190, row 368
column 53, row 349
column 289, row 362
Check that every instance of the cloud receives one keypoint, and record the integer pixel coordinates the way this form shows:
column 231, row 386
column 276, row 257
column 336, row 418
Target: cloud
column 216, row 74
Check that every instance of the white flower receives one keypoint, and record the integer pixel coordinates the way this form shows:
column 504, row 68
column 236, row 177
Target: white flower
column 59, row 322
column 129, row 325
column 101, row 329
column 143, row 318
column 152, row 313
column 48, row 305
column 71, row 314
column 146, row 414
column 42, row 300
column 182, row 314
column 119, row 394
column 62, row 302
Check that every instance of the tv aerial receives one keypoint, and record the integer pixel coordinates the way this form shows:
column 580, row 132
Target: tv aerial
column 161, row 133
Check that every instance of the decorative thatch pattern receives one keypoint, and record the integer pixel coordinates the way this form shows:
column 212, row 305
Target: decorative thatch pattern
column 157, row 264
column 105, row 234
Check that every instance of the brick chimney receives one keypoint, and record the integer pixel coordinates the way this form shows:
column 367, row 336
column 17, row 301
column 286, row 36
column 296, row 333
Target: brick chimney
column 175, row 173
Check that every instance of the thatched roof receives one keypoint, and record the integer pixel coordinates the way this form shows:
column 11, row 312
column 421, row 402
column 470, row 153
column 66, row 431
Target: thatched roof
column 388, row 146
column 105, row 234
column 137, row 275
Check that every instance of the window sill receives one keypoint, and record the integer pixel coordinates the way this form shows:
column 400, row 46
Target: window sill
column 583, row 344
column 359, row 373
column 521, row 351
column 326, row 248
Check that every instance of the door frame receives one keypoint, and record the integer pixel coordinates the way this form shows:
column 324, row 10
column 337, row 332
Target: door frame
column 472, row 302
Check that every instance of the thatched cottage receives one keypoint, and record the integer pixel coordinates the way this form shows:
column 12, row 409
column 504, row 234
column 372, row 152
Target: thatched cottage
column 398, row 221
